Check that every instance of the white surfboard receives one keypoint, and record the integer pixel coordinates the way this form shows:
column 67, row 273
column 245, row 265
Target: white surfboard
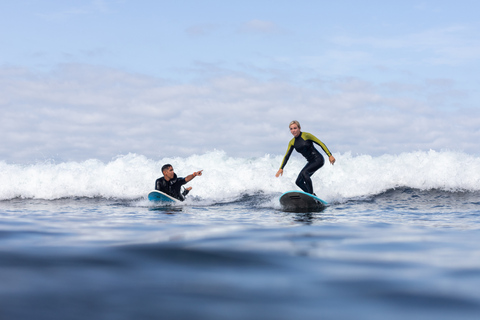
column 299, row 201
column 158, row 196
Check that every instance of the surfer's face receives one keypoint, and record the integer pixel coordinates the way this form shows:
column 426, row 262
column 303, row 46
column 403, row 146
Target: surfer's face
column 295, row 130
column 168, row 173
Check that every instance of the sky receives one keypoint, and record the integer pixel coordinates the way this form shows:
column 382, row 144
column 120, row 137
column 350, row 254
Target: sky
column 96, row 79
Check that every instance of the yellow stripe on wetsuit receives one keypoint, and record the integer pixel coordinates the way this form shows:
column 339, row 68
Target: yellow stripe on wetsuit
column 305, row 136
column 309, row 136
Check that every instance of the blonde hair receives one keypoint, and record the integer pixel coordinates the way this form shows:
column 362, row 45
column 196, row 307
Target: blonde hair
column 295, row 122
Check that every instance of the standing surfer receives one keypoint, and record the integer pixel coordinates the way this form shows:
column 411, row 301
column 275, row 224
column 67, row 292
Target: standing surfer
column 302, row 142
column 171, row 184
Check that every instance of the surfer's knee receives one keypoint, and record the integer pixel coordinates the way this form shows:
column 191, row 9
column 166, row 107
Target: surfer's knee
column 300, row 179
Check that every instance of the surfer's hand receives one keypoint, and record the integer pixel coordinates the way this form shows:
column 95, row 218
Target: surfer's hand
column 198, row 173
column 188, row 189
column 331, row 159
column 279, row 173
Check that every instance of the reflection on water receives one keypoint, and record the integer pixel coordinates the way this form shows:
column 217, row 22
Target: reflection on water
column 308, row 218
column 166, row 209
column 404, row 254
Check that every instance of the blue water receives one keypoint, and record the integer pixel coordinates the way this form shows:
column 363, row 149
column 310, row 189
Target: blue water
column 399, row 240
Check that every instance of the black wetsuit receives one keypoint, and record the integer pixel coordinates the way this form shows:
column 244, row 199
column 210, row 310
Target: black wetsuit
column 172, row 187
column 304, row 145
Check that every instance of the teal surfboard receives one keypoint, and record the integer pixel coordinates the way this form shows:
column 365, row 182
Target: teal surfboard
column 158, row 196
column 299, row 201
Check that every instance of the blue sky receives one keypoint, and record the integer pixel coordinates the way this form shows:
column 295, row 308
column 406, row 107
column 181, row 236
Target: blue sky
column 95, row 79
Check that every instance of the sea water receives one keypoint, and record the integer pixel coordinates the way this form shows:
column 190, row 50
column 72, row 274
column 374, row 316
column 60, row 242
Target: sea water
column 399, row 240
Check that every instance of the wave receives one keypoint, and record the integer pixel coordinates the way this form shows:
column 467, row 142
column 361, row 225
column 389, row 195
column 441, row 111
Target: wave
column 132, row 176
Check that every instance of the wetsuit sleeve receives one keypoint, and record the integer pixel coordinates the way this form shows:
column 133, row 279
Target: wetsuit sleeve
column 309, row 136
column 289, row 152
column 158, row 185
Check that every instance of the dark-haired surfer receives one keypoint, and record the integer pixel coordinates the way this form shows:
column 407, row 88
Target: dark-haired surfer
column 303, row 143
column 171, row 184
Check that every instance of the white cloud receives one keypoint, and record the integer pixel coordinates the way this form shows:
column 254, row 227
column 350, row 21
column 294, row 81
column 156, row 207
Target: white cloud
column 80, row 112
column 259, row 26
column 63, row 14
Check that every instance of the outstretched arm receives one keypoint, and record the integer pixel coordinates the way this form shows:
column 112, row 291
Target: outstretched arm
column 285, row 158
column 309, row 136
column 193, row 175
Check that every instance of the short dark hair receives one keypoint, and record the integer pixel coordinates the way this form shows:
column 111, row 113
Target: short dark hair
column 166, row 167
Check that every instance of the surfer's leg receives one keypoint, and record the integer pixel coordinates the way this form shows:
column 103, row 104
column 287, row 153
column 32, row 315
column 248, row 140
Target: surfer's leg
column 300, row 182
column 303, row 180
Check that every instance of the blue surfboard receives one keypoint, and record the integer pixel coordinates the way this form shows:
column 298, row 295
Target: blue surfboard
column 299, row 201
column 158, row 196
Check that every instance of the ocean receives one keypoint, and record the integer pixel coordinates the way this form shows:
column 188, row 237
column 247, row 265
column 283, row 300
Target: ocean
column 399, row 240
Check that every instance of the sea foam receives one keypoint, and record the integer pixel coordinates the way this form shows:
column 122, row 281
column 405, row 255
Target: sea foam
column 225, row 178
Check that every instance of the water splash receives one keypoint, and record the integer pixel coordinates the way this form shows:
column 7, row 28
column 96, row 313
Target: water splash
column 132, row 176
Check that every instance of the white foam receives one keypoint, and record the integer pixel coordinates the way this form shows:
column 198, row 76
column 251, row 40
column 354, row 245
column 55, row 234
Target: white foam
column 225, row 178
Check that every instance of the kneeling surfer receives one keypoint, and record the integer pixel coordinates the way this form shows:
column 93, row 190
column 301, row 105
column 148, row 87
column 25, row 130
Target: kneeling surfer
column 171, row 184
column 302, row 142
